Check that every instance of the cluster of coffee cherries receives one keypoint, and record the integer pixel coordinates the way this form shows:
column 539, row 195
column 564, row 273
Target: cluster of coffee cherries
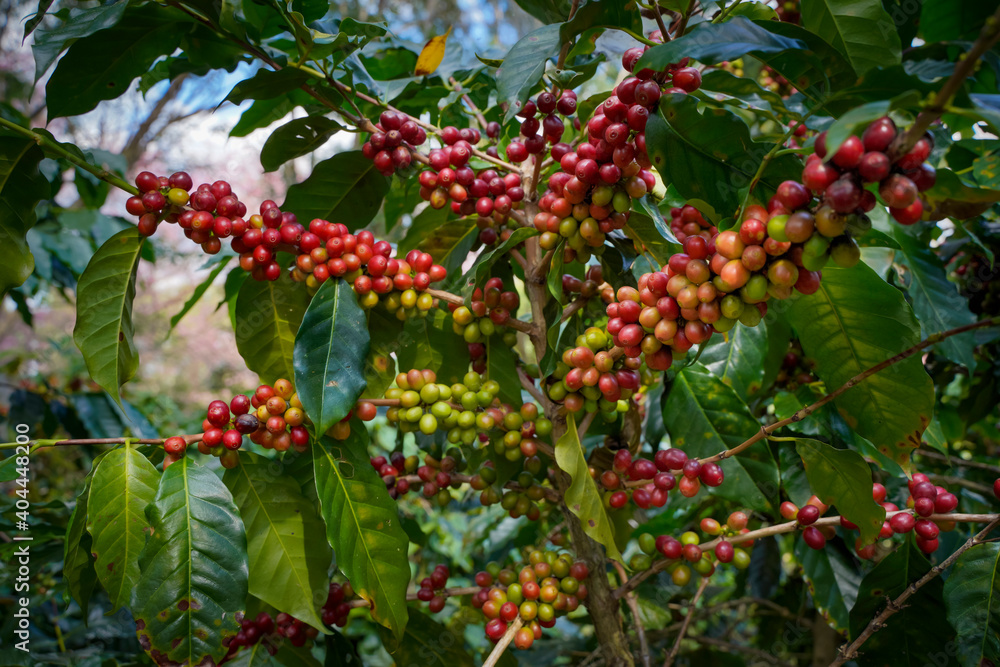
column 647, row 482
column 392, row 146
column 537, row 133
column 485, row 194
column 518, row 502
column 687, row 556
column 329, row 250
column 336, row 608
column 432, row 587
column 489, row 309
column 796, row 369
column 814, row 536
column 433, row 479
column 678, row 77
column 590, row 377
column 590, row 286
column 253, row 631
column 548, row 585
column 839, row 178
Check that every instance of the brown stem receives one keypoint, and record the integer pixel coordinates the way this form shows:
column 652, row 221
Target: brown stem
column 585, row 424
column 573, row 307
column 468, row 101
column 446, row 592
column 519, row 258
column 962, row 463
column 687, row 621
column 529, row 386
column 505, row 641
column 987, row 38
column 513, row 322
column 640, row 631
column 737, row 648
column 189, row 439
column 854, row 381
column 850, row 651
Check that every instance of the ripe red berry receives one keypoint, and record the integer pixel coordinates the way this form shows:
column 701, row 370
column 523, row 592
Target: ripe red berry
column 814, row 537
column 807, row 515
column 175, row 445
column 724, row 551
column 902, row 523
column 232, row 439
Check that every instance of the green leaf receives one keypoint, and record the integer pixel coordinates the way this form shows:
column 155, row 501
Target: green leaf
column 546, row 11
column 255, row 655
column 950, row 197
column 423, row 226
column 48, row 44
column 833, row 581
column 362, row 525
column 860, row 29
column 380, row 365
column 288, row 557
column 268, row 314
column 102, row 66
column 942, row 20
column 524, row 65
column 450, row 244
column 936, row 300
column 264, row 112
column 704, row 417
column 78, row 559
column 427, row 643
column 972, row 594
column 267, row 84
column 345, row 188
column 22, row 186
column 582, row 496
column 712, row 43
column 853, row 322
column 329, row 354
column 606, row 14
column 104, row 331
column 486, row 261
column 646, row 204
column 502, row 367
column 710, row 155
column 853, row 122
column 199, row 292
column 193, row 569
column 915, row 632
column 739, row 361
column 123, row 486
column 840, row 477
column 295, row 139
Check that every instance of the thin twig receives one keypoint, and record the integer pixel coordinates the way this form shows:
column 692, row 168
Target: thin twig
column 738, row 648
column 519, row 258
column 572, row 307
column 512, row 322
column 585, row 424
column 955, row 461
column 987, row 38
column 854, row 381
column 529, row 386
column 501, row 646
column 640, row 631
column 687, row 621
column 99, row 441
column 961, row 481
column 850, row 651
column 468, row 101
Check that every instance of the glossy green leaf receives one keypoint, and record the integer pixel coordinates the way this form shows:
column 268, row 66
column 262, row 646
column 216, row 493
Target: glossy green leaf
column 951, row 197
column 254, row 656
column 193, row 569
column 101, row 66
column 853, row 322
column 942, row 20
column 78, row 559
column 860, row 29
column 606, row 14
column 288, row 556
column 266, row 84
column 427, row 643
column 362, row 526
column 297, row 138
column 123, row 486
column 710, row 155
column 329, row 354
column 501, row 366
column 264, row 112
column 199, row 292
column 486, row 261
column 268, row 315
column 21, row 188
column 662, row 226
column 712, row 43
column 49, row 43
column 936, row 300
column 582, row 496
column 546, row 11
column 345, row 188
column 704, row 416
column 738, row 361
column 524, row 65
column 104, row 331
column 917, row 631
column 380, row 366
column 841, row 478
column 972, row 594
column 833, row 581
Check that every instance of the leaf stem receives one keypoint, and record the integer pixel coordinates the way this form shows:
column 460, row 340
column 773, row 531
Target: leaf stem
column 54, row 147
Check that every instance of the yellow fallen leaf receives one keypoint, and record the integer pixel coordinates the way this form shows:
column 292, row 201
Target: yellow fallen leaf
column 432, row 55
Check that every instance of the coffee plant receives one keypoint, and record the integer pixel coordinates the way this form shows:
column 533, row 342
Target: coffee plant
column 669, row 335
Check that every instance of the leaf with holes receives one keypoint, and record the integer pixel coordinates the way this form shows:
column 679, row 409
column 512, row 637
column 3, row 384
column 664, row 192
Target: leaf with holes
column 704, row 417
column 841, row 478
column 972, row 595
column 104, row 331
column 582, row 496
column 21, row 188
column 362, row 525
column 345, row 188
column 288, row 556
column 193, row 570
column 268, row 315
column 853, row 322
column 329, row 354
